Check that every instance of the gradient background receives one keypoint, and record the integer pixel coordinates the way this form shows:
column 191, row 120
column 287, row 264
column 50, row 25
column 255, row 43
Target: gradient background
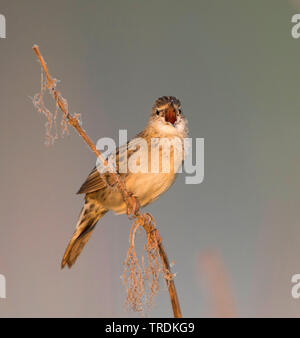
column 235, row 237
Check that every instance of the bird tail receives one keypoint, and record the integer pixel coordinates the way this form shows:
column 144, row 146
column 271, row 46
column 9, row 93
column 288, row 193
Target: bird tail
column 90, row 214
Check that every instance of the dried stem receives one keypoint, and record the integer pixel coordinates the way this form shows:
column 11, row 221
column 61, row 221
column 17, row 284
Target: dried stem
column 146, row 221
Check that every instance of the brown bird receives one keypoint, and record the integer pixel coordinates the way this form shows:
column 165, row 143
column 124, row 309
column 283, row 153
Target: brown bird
column 166, row 124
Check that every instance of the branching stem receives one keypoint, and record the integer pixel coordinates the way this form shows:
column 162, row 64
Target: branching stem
column 132, row 204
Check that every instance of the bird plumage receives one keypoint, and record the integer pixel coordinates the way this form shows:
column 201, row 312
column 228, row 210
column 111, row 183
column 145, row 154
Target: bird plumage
column 90, row 214
column 166, row 122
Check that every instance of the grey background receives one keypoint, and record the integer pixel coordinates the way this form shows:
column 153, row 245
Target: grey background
column 235, row 67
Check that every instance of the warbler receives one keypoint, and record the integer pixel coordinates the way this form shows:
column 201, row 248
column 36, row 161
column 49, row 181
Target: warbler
column 166, row 122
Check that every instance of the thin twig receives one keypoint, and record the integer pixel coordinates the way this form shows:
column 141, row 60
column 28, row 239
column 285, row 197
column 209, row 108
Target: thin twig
column 132, row 205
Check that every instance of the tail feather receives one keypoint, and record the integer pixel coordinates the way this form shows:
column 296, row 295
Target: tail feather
column 90, row 214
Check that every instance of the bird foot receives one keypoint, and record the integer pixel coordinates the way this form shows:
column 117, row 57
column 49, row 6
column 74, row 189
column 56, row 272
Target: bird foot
column 133, row 209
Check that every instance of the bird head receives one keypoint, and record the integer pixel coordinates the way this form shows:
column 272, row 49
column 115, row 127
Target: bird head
column 167, row 117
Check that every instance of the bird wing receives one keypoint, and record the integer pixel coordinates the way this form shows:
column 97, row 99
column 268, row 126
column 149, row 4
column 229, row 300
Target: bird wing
column 93, row 182
column 96, row 181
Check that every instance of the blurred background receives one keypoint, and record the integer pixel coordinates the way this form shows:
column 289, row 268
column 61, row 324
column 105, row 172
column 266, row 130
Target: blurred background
column 235, row 237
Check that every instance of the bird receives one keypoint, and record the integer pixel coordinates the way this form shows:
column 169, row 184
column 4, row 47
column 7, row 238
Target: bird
column 166, row 122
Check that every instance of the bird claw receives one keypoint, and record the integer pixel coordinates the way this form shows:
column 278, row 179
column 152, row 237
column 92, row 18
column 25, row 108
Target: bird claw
column 133, row 209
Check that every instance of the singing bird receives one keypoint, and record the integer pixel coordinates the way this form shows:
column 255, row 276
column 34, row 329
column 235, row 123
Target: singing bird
column 101, row 195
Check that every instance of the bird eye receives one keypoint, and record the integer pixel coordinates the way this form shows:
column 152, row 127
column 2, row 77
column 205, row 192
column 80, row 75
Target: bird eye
column 179, row 111
column 157, row 112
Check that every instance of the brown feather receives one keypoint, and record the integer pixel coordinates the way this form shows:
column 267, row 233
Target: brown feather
column 88, row 218
column 93, row 183
column 96, row 181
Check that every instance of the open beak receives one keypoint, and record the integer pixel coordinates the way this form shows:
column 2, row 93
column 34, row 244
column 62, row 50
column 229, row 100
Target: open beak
column 170, row 115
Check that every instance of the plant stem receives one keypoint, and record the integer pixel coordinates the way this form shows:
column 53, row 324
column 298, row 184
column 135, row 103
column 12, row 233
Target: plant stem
column 128, row 198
